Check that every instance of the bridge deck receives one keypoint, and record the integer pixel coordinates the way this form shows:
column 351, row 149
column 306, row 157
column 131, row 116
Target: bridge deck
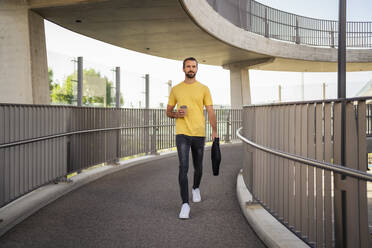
column 138, row 207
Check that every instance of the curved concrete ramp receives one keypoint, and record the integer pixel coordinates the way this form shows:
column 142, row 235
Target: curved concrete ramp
column 138, row 207
column 288, row 56
column 161, row 28
column 176, row 29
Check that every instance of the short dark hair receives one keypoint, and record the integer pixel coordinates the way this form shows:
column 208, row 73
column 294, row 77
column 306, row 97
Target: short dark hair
column 189, row 58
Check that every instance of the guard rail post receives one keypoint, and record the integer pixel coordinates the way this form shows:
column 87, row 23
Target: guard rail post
column 228, row 126
column 154, row 133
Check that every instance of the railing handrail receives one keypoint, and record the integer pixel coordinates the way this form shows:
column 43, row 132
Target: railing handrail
column 353, row 99
column 295, row 22
column 54, row 136
column 315, row 163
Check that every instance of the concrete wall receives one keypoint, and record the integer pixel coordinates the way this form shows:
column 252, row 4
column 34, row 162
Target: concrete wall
column 23, row 61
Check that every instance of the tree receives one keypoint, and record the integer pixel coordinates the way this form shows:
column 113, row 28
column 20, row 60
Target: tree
column 109, row 99
column 96, row 89
column 110, row 96
column 64, row 94
column 50, row 79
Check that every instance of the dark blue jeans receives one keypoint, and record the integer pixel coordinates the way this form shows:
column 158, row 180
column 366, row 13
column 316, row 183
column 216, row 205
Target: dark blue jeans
column 184, row 143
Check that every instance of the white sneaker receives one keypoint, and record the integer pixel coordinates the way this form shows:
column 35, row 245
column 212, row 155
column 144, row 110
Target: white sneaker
column 185, row 211
column 196, row 195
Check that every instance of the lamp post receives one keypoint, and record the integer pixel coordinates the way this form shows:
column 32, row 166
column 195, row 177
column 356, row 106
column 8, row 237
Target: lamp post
column 340, row 194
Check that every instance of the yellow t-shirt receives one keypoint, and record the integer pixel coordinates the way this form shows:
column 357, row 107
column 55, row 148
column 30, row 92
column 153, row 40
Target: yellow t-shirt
column 195, row 96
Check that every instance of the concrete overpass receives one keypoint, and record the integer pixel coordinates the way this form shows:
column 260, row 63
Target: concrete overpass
column 166, row 28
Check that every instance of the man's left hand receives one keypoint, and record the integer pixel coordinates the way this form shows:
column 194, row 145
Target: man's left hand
column 214, row 135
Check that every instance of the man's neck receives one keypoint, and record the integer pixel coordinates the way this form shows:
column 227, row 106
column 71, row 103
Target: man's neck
column 190, row 80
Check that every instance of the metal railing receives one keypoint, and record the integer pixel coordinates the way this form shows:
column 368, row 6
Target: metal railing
column 41, row 144
column 292, row 167
column 273, row 23
column 369, row 120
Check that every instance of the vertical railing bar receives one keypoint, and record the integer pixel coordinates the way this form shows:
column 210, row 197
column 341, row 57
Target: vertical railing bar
column 38, row 146
column 266, row 159
column 255, row 157
column 259, row 155
column 44, row 152
column 48, row 147
column 277, row 162
column 22, row 153
column 281, row 162
column 272, row 160
column 2, row 156
column 262, row 162
column 291, row 179
column 58, row 152
column 286, row 165
column 319, row 176
column 33, row 159
column 7, row 154
column 77, row 157
column 304, row 169
column 59, row 143
column 328, row 227
column 52, row 144
column 362, row 166
column 91, row 139
column 16, row 154
column 94, row 148
column 298, row 182
column 351, row 185
column 261, row 158
column 269, row 158
column 311, row 154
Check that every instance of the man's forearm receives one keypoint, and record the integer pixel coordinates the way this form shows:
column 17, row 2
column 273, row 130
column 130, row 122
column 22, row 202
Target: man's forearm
column 213, row 121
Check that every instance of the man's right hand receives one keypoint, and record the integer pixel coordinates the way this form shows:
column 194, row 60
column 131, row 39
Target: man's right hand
column 173, row 114
column 181, row 113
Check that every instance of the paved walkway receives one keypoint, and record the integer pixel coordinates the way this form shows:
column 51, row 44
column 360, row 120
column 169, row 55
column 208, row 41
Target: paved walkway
column 138, row 207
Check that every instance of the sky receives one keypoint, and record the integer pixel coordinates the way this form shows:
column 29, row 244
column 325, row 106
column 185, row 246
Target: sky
column 357, row 10
column 64, row 46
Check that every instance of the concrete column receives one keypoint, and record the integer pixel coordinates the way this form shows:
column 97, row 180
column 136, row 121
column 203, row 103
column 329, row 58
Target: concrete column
column 23, row 60
column 39, row 64
column 240, row 91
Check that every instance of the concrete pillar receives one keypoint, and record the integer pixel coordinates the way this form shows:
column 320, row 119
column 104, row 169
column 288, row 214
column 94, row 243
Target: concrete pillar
column 23, row 59
column 39, row 64
column 240, row 91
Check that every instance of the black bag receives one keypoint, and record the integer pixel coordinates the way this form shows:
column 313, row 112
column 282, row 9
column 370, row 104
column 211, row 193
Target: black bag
column 216, row 156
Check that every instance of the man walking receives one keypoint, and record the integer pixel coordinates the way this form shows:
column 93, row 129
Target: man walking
column 190, row 96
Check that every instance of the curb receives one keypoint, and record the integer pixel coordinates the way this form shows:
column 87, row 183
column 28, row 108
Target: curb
column 269, row 230
column 20, row 209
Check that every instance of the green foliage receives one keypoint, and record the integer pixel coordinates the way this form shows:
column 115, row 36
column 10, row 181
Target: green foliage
column 121, row 100
column 93, row 100
column 50, row 79
column 65, row 94
column 111, row 96
column 110, row 100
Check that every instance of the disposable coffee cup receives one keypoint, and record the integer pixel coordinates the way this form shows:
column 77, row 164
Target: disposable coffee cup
column 184, row 108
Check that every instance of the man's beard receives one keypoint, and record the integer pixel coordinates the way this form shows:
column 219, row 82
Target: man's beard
column 190, row 75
